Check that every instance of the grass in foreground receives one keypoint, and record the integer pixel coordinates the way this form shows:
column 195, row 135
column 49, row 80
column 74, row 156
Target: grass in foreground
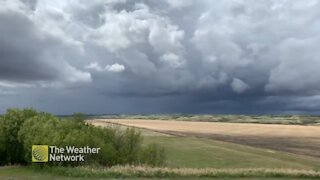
column 148, row 172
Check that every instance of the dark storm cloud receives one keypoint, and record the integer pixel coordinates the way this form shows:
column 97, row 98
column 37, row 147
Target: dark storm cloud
column 20, row 50
column 30, row 55
column 132, row 56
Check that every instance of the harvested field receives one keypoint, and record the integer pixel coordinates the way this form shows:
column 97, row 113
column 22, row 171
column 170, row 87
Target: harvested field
column 297, row 139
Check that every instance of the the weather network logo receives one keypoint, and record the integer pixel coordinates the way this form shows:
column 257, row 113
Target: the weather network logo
column 40, row 153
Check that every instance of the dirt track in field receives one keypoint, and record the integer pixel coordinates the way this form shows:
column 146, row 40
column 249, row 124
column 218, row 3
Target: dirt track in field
column 290, row 138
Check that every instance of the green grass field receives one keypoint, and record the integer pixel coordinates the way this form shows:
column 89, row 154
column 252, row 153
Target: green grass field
column 201, row 153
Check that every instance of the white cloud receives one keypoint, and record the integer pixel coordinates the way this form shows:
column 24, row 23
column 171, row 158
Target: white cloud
column 115, row 68
column 111, row 68
column 95, row 66
column 172, row 59
column 165, row 38
column 74, row 75
column 239, row 86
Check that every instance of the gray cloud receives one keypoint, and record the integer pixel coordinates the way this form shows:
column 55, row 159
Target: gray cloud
column 20, row 55
column 161, row 56
column 30, row 55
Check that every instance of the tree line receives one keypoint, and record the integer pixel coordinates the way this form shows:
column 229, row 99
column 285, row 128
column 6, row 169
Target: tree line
column 22, row 128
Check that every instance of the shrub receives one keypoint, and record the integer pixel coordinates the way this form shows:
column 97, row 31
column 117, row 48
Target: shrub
column 20, row 129
column 50, row 130
column 78, row 117
column 128, row 145
column 153, row 155
column 11, row 150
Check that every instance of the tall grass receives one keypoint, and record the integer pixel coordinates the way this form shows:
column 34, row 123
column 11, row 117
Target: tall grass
column 164, row 172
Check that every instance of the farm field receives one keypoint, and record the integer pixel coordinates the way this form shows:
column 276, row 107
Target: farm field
column 298, row 139
column 190, row 154
column 202, row 153
column 257, row 119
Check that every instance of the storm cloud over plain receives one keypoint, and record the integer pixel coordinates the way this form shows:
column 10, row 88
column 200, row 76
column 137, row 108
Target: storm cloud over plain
column 151, row 56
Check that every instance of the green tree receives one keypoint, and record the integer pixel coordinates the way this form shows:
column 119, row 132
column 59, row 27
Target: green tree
column 11, row 150
column 79, row 117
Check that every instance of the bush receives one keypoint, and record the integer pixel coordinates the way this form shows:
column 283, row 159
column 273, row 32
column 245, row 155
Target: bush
column 47, row 129
column 20, row 129
column 11, row 150
column 78, row 117
column 153, row 155
column 128, row 145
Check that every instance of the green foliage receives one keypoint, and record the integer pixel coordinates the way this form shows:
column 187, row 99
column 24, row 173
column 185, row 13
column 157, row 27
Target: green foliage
column 78, row 117
column 153, row 154
column 11, row 150
column 49, row 130
column 20, row 129
column 128, row 145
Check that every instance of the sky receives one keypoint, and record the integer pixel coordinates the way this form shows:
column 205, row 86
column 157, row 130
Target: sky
column 169, row 56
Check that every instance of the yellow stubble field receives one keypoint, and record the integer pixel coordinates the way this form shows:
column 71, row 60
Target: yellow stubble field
column 290, row 138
